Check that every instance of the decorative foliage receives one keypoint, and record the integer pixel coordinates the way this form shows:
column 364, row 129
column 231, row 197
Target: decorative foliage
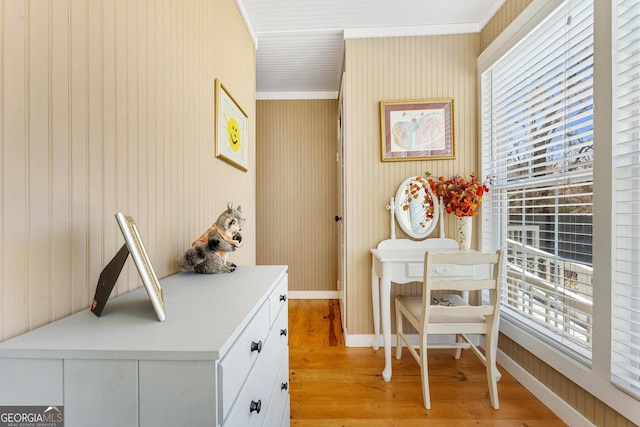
column 416, row 191
column 459, row 195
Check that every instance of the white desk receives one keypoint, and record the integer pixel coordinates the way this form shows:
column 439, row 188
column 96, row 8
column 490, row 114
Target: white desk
column 400, row 261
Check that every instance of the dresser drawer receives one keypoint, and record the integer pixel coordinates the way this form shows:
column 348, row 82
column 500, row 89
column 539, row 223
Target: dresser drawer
column 237, row 363
column 278, row 298
column 279, row 334
column 286, row 416
column 250, row 408
column 279, row 395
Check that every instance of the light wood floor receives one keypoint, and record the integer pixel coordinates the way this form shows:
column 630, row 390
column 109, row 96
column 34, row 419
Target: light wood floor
column 332, row 385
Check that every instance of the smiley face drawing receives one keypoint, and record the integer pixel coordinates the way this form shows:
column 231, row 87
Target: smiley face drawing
column 231, row 129
column 233, row 132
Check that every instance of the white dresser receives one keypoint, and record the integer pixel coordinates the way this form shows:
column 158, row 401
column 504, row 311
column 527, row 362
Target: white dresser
column 219, row 359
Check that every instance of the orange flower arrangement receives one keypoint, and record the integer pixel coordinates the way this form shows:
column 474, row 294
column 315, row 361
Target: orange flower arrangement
column 460, row 196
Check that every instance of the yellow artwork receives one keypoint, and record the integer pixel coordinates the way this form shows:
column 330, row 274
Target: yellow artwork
column 230, row 129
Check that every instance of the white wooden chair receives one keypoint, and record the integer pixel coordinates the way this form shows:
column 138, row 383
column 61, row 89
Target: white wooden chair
column 450, row 314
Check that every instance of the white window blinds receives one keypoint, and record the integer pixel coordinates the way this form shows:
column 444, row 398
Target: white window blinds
column 537, row 142
column 625, row 346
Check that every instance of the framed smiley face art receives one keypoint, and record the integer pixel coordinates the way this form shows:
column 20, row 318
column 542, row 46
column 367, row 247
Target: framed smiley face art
column 231, row 134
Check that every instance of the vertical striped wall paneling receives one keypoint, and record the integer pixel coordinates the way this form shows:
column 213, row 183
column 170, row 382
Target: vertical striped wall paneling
column 392, row 69
column 507, row 13
column 297, row 190
column 107, row 106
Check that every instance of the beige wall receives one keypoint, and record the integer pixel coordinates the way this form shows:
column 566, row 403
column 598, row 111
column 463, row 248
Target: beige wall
column 297, row 190
column 388, row 69
column 107, row 106
column 507, row 13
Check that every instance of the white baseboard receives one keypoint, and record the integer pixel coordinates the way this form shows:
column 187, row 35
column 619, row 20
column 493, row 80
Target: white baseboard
column 314, row 294
column 363, row 340
column 562, row 409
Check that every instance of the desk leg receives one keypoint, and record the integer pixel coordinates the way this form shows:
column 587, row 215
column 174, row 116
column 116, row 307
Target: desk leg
column 375, row 298
column 385, row 308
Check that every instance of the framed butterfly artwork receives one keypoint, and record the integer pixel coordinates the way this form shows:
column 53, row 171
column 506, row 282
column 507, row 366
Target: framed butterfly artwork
column 417, row 130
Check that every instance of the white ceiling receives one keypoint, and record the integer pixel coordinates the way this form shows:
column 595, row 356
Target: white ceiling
column 300, row 43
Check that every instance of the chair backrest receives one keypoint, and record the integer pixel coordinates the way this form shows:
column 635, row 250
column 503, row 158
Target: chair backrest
column 487, row 275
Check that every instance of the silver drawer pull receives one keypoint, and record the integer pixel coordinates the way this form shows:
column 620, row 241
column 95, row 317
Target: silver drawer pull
column 256, row 346
column 283, row 332
column 284, row 386
column 283, row 297
column 255, row 406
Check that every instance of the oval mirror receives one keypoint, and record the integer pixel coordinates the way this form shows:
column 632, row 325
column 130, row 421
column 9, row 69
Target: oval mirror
column 417, row 209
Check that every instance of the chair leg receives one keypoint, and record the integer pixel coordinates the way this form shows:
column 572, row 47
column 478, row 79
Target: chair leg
column 424, row 372
column 492, row 369
column 459, row 340
column 399, row 332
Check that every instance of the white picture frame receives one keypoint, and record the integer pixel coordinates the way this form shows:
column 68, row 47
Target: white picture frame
column 142, row 262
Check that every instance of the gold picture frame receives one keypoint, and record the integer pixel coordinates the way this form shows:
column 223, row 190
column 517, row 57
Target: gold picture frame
column 417, row 130
column 231, row 133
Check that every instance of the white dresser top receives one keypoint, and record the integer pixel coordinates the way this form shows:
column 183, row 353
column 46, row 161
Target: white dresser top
column 215, row 306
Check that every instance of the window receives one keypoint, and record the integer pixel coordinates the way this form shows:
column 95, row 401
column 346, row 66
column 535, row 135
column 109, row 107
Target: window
column 537, row 144
column 625, row 346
